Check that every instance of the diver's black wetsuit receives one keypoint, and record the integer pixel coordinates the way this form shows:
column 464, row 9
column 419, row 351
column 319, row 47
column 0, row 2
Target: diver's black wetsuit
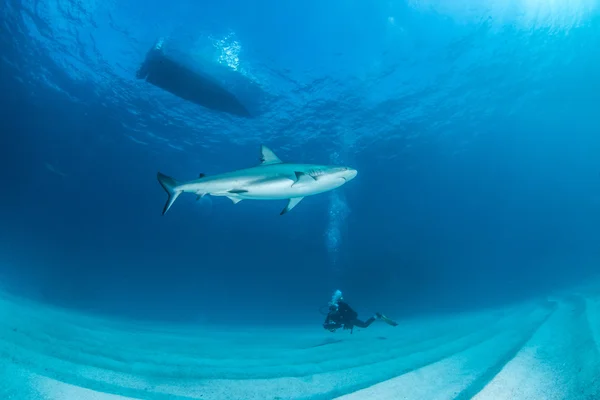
column 344, row 317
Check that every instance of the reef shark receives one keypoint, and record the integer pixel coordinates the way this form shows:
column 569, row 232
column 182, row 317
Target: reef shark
column 272, row 179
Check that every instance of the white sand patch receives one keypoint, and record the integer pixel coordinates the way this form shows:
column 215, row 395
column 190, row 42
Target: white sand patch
column 525, row 377
column 560, row 361
column 530, row 351
column 451, row 376
column 50, row 389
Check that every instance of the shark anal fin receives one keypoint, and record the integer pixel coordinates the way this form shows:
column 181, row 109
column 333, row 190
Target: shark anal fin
column 302, row 178
column 267, row 156
column 291, row 204
column 234, row 199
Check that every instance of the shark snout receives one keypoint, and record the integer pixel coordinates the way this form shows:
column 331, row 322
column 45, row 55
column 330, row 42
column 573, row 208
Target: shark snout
column 350, row 174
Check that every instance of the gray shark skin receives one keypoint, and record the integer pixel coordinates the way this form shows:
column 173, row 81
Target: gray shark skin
column 272, row 179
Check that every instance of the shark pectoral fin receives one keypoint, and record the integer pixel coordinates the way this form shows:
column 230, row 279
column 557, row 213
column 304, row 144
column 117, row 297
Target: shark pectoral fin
column 201, row 175
column 302, row 178
column 291, row 204
column 267, row 156
column 234, row 199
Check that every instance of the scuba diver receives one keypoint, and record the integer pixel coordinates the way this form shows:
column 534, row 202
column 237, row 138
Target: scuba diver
column 341, row 315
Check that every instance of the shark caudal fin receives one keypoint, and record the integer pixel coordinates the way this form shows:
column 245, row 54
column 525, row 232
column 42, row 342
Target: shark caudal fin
column 170, row 185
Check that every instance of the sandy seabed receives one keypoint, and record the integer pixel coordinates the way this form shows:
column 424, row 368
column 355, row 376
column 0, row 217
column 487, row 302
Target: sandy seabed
column 543, row 349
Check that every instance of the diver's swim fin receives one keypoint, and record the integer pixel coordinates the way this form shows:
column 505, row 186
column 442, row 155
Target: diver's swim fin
column 387, row 320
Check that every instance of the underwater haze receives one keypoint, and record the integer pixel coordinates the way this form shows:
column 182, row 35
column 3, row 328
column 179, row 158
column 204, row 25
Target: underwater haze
column 474, row 127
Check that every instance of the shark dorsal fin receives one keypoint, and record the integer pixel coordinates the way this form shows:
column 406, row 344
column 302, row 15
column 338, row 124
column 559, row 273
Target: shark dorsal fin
column 268, row 157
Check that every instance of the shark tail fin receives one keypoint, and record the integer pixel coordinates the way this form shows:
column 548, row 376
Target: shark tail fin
column 170, row 185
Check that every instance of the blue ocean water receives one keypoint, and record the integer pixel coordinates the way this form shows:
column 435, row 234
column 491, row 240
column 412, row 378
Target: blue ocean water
column 473, row 127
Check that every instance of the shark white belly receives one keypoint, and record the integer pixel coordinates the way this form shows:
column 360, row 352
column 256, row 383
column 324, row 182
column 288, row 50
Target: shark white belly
column 282, row 188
